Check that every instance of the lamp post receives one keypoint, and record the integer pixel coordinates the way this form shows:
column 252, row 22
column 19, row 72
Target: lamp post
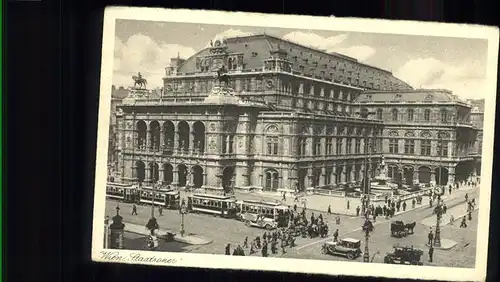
column 440, row 142
column 439, row 212
column 367, row 228
column 183, row 212
column 152, row 224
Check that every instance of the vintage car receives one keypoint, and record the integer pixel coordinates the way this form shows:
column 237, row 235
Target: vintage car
column 348, row 247
column 254, row 220
column 404, row 255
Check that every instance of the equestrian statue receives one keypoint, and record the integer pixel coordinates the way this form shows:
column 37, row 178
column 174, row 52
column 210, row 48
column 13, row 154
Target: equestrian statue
column 139, row 81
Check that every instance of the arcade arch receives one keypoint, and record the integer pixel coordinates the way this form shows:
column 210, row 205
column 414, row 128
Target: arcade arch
column 199, row 136
column 140, row 171
column 141, row 129
column 424, row 174
column 197, row 172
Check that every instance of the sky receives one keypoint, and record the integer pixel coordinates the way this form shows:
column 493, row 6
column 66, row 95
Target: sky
column 456, row 64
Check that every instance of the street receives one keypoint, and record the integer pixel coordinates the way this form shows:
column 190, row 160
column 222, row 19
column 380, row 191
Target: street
column 230, row 231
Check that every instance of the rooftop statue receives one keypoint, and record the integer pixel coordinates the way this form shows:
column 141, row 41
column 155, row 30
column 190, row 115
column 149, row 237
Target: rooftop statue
column 139, row 81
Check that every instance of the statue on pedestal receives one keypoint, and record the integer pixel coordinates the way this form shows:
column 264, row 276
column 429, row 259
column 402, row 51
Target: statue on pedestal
column 222, row 76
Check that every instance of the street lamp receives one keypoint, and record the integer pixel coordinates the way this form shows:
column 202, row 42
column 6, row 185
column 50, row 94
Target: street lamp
column 367, row 228
column 439, row 212
column 440, row 141
column 152, row 224
column 183, row 212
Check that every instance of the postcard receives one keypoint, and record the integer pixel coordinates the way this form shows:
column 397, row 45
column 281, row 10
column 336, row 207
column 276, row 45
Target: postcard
column 301, row 144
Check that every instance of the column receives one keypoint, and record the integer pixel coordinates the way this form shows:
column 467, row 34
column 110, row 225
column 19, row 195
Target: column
column 191, row 147
column 309, row 178
column 342, row 176
column 204, row 177
column 176, row 140
column 147, row 172
column 415, row 175
column 451, row 176
column 148, row 139
column 360, row 172
column 323, row 177
column 161, row 175
column 433, row 176
column 353, row 171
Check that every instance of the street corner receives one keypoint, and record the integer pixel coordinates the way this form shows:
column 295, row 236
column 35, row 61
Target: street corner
column 446, row 244
column 193, row 239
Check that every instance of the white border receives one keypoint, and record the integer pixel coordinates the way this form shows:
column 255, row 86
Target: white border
column 313, row 23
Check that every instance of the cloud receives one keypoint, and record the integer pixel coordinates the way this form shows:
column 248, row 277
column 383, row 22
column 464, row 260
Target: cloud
column 229, row 33
column 140, row 53
column 466, row 81
column 330, row 44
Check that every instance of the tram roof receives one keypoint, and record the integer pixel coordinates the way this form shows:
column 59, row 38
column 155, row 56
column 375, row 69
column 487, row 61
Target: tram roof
column 210, row 196
column 119, row 184
column 264, row 203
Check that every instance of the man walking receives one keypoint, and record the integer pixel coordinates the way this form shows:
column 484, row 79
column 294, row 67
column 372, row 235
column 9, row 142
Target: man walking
column 134, row 209
column 431, row 252
column 430, row 237
column 335, row 235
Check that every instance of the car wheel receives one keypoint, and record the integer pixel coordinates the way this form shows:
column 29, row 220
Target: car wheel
column 248, row 223
column 269, row 227
column 350, row 255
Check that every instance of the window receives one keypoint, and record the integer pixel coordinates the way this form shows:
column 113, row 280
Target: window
column 442, row 149
column 348, row 146
column 357, row 147
column 410, row 115
column 379, row 114
column 409, row 146
column 394, row 115
column 317, row 147
column 339, row 146
column 444, row 116
column 393, row 146
column 425, row 147
column 302, row 146
column 272, row 145
column 329, row 146
column 427, row 115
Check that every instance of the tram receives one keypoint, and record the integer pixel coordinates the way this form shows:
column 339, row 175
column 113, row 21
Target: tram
column 122, row 192
column 167, row 198
column 270, row 210
column 223, row 206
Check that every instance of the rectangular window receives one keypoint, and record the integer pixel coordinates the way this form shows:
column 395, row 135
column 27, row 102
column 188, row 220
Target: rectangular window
column 442, row 149
column 393, row 146
column 329, row 146
column 348, row 146
column 357, row 148
column 317, row 147
column 425, row 147
column 339, row 146
column 409, row 146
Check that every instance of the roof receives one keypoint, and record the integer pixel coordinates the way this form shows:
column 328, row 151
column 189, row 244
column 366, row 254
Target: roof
column 210, row 196
column 416, row 95
column 351, row 240
column 308, row 61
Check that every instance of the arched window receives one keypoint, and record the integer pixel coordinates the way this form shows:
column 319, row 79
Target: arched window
column 410, row 114
column 272, row 180
column 272, row 145
column 427, row 115
column 301, row 146
column 379, row 114
column 394, row 114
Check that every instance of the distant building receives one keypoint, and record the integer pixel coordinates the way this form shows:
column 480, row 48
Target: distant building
column 117, row 95
column 428, row 134
column 477, row 119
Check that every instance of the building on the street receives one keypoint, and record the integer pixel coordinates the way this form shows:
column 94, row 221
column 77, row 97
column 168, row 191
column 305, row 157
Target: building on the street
column 477, row 119
column 428, row 134
column 117, row 95
column 290, row 117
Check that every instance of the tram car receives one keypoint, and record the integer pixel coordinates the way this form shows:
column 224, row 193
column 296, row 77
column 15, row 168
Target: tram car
column 270, row 211
column 167, row 198
column 122, row 192
column 223, row 206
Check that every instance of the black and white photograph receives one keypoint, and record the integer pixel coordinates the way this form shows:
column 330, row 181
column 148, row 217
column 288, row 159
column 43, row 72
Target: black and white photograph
column 296, row 143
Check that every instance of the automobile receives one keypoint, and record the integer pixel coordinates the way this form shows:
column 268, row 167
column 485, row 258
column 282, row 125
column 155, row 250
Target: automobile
column 404, row 255
column 254, row 220
column 348, row 247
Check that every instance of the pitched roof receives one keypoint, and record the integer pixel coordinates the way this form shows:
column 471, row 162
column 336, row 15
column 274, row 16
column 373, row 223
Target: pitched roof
column 306, row 60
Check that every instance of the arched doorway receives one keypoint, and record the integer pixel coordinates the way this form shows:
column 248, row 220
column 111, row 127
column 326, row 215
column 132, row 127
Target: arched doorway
column 182, row 175
column 302, row 179
column 408, row 175
column 140, row 171
column 392, row 172
column 141, row 129
column 441, row 175
column 227, row 179
column 463, row 170
column 199, row 136
column 424, row 174
column 183, row 130
column 168, row 174
column 155, row 136
column 154, row 172
column 169, row 131
column 271, row 180
column 197, row 176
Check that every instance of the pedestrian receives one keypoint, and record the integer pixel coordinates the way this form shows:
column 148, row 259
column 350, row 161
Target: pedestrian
column 398, row 206
column 413, row 203
column 385, row 198
column 452, row 219
column 348, row 204
column 329, row 209
column 283, row 245
column 357, row 211
column 274, row 249
column 470, row 215
column 134, row 209
column 295, row 207
column 228, row 249
column 430, row 202
column 466, row 197
column 431, row 252
column 264, row 249
column 449, row 190
column 284, row 197
column 430, row 237
column 245, row 243
column 463, row 224
column 404, row 206
column 444, row 208
column 337, row 219
column 335, row 235
column 160, row 210
column 375, row 216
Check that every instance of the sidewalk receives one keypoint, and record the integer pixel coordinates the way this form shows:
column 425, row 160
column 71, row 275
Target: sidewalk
column 458, row 212
column 162, row 233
